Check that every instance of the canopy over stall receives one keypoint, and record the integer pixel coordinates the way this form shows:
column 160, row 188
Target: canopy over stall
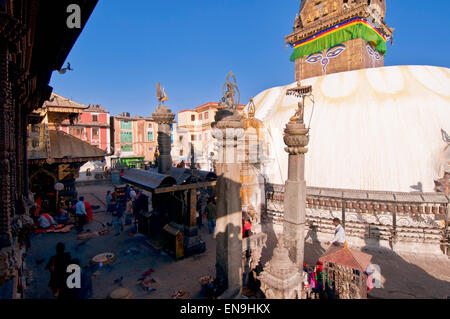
column 347, row 270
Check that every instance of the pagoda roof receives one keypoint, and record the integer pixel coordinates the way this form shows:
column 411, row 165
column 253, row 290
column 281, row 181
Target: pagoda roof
column 58, row 101
column 65, row 148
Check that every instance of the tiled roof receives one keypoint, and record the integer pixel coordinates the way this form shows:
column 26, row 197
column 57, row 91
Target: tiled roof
column 63, row 145
column 69, row 148
column 60, row 101
column 347, row 257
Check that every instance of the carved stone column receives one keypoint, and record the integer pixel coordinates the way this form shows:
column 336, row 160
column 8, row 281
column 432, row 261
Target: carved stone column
column 281, row 278
column 5, row 147
column 296, row 138
column 164, row 117
column 227, row 130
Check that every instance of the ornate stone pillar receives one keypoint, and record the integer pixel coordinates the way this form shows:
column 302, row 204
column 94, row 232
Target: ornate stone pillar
column 164, row 117
column 227, row 130
column 281, row 278
column 296, row 138
column 5, row 147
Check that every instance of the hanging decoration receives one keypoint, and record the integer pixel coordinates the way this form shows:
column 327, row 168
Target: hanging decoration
column 338, row 34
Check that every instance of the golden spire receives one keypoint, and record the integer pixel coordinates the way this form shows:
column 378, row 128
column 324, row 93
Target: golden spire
column 251, row 109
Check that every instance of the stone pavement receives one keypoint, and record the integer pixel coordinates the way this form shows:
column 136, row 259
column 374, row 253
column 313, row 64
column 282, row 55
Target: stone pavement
column 403, row 276
column 172, row 275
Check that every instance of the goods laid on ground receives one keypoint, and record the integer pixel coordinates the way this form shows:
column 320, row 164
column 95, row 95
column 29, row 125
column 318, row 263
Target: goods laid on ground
column 150, row 284
column 121, row 293
column 180, row 294
column 55, row 229
column 104, row 259
column 94, row 234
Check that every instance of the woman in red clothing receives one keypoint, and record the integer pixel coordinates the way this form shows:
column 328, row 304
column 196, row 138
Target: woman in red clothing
column 247, row 228
column 88, row 207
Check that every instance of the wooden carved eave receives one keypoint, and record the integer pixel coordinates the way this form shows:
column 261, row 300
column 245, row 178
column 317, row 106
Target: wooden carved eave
column 74, row 160
column 325, row 23
column 11, row 29
column 65, row 109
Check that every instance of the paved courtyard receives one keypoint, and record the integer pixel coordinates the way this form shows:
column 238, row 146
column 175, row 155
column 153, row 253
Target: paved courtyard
column 405, row 276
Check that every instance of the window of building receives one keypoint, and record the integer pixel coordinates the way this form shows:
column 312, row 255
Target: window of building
column 126, row 137
column 200, row 117
column 125, row 125
column 192, row 137
column 192, row 118
column 181, row 138
column 94, row 118
column 181, row 152
column 94, row 132
column 150, row 136
column 206, row 115
column 127, row 148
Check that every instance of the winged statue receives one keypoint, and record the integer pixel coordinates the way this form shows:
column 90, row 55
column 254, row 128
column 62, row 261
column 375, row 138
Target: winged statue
column 161, row 94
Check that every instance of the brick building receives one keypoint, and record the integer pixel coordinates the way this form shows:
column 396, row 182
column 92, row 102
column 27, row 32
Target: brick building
column 134, row 137
column 194, row 129
column 92, row 126
column 333, row 36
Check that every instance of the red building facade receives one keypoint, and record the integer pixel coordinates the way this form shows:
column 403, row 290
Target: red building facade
column 92, row 126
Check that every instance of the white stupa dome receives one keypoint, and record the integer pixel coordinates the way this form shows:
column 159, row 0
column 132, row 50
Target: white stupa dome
column 371, row 129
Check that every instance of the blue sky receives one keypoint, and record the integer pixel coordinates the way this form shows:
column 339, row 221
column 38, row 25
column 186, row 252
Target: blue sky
column 190, row 46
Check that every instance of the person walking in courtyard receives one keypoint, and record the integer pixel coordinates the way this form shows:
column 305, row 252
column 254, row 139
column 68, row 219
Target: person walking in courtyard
column 129, row 212
column 116, row 212
column 211, row 214
column 133, row 194
column 108, row 198
column 58, row 271
column 89, row 213
column 246, row 228
column 339, row 234
column 81, row 215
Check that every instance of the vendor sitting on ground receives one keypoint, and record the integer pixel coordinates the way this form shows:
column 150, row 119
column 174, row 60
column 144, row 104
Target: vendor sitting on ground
column 339, row 234
column 63, row 216
column 46, row 221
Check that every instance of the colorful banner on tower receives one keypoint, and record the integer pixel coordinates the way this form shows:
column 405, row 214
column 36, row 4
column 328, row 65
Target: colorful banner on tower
column 338, row 34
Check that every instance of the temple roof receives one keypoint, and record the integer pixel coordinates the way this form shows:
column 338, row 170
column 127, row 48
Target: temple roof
column 66, row 149
column 151, row 179
column 59, row 101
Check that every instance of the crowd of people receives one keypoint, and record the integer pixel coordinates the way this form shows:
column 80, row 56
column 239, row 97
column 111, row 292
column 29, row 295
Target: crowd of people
column 125, row 207
column 72, row 212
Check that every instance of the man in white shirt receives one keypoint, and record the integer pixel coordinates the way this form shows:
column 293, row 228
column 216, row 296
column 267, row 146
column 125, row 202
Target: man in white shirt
column 132, row 194
column 339, row 234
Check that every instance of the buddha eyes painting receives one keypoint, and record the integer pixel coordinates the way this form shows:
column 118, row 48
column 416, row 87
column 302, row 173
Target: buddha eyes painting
column 324, row 58
column 372, row 52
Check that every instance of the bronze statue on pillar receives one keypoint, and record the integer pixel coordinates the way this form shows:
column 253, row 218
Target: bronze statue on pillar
column 164, row 117
column 281, row 276
column 228, row 130
column 296, row 138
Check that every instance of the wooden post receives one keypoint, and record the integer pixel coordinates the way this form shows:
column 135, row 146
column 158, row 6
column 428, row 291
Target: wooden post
column 193, row 208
